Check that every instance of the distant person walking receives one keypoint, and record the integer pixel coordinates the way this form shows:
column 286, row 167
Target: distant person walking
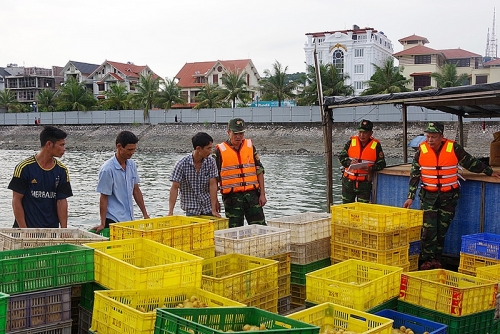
column 241, row 177
column 361, row 156
column 40, row 185
column 119, row 184
column 175, row 118
column 195, row 176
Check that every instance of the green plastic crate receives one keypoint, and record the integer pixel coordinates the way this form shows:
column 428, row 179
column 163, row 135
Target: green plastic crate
column 475, row 323
column 32, row 269
column 299, row 271
column 220, row 320
column 104, row 232
column 87, row 298
column 4, row 302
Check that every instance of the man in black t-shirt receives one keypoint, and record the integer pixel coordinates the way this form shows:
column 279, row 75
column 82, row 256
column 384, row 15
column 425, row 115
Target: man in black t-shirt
column 40, row 185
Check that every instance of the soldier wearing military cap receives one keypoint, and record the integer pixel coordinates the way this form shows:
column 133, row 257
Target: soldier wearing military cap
column 361, row 155
column 241, row 177
column 435, row 167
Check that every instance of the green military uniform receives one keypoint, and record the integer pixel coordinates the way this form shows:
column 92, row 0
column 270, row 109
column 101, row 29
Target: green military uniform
column 241, row 205
column 439, row 207
column 361, row 190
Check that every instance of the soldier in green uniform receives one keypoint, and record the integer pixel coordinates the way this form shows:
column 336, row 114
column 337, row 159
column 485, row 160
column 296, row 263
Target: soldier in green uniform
column 364, row 149
column 435, row 167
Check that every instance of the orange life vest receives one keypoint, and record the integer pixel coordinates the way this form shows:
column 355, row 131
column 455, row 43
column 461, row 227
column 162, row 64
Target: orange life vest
column 368, row 154
column 238, row 172
column 438, row 172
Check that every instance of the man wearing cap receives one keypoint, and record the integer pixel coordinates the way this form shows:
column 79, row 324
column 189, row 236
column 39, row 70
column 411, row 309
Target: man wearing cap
column 435, row 166
column 361, row 155
column 241, row 176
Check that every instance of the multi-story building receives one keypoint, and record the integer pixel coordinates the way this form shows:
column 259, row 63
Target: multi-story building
column 79, row 71
column 27, row 82
column 352, row 51
column 111, row 72
column 193, row 76
column 419, row 61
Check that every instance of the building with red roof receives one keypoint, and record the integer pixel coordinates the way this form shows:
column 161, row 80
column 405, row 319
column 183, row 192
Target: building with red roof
column 112, row 72
column 193, row 76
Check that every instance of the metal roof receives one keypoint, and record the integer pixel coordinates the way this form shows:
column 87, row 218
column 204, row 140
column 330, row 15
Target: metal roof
column 475, row 101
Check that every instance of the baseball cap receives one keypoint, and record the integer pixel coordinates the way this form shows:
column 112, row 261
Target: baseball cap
column 435, row 127
column 237, row 125
column 365, row 125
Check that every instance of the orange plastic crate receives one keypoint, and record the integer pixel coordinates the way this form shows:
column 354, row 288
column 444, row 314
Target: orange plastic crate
column 144, row 264
column 353, row 283
column 448, row 292
column 181, row 232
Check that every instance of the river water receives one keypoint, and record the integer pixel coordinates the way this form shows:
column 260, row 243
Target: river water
column 294, row 184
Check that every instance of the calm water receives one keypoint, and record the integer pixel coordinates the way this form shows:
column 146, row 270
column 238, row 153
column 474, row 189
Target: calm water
column 294, row 184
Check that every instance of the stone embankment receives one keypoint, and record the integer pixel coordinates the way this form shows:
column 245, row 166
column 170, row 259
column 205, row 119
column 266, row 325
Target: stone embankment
column 288, row 138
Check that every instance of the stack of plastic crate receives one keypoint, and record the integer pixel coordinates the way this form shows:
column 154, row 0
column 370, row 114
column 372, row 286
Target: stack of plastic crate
column 40, row 283
column 462, row 302
column 374, row 233
column 309, row 249
column 4, row 301
column 477, row 251
column 189, row 234
column 267, row 242
column 250, row 280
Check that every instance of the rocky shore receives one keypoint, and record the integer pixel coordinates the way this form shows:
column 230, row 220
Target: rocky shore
column 290, row 138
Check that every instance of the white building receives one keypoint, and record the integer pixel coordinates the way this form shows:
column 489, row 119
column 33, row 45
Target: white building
column 353, row 51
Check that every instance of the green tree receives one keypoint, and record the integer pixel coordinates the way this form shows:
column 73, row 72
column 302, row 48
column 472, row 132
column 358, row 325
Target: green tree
column 387, row 79
column 146, row 93
column 332, row 82
column 275, row 84
column 8, row 100
column 235, row 87
column 75, row 96
column 170, row 94
column 46, row 100
column 210, row 96
column 448, row 77
column 116, row 97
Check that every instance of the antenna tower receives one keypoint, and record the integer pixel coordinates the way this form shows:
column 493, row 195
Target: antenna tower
column 491, row 43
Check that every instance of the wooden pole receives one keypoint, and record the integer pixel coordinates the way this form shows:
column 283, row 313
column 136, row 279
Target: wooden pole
column 405, row 134
column 327, row 124
column 461, row 130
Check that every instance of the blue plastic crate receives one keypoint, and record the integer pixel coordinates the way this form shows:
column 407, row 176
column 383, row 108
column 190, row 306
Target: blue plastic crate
column 416, row 324
column 482, row 244
column 414, row 248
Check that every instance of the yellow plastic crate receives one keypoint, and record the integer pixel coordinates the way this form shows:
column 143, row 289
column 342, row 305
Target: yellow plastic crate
column 392, row 257
column 220, row 223
column 490, row 272
column 284, row 285
column 415, row 233
column 134, row 311
column 206, row 253
column 181, row 232
column 304, row 227
column 353, row 283
column 375, row 217
column 298, row 293
column 330, row 316
column 239, row 277
column 370, row 239
column 267, row 301
column 255, row 240
column 413, row 259
column 470, row 263
column 448, row 292
column 21, row 238
column 284, row 263
column 144, row 264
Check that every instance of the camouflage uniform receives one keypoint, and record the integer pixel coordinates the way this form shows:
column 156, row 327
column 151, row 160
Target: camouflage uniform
column 439, row 207
column 362, row 190
column 240, row 205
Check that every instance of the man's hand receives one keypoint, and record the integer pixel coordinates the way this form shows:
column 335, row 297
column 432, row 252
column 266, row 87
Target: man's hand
column 407, row 204
column 98, row 228
column 497, row 175
column 262, row 199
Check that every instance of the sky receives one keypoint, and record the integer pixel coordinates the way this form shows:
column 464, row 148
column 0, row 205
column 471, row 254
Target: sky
column 166, row 34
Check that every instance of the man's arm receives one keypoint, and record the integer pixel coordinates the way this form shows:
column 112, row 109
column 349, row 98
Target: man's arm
column 174, row 191
column 213, row 197
column 380, row 162
column 17, row 208
column 344, row 157
column 262, row 197
column 103, row 209
column 414, row 180
column 62, row 212
column 140, row 200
